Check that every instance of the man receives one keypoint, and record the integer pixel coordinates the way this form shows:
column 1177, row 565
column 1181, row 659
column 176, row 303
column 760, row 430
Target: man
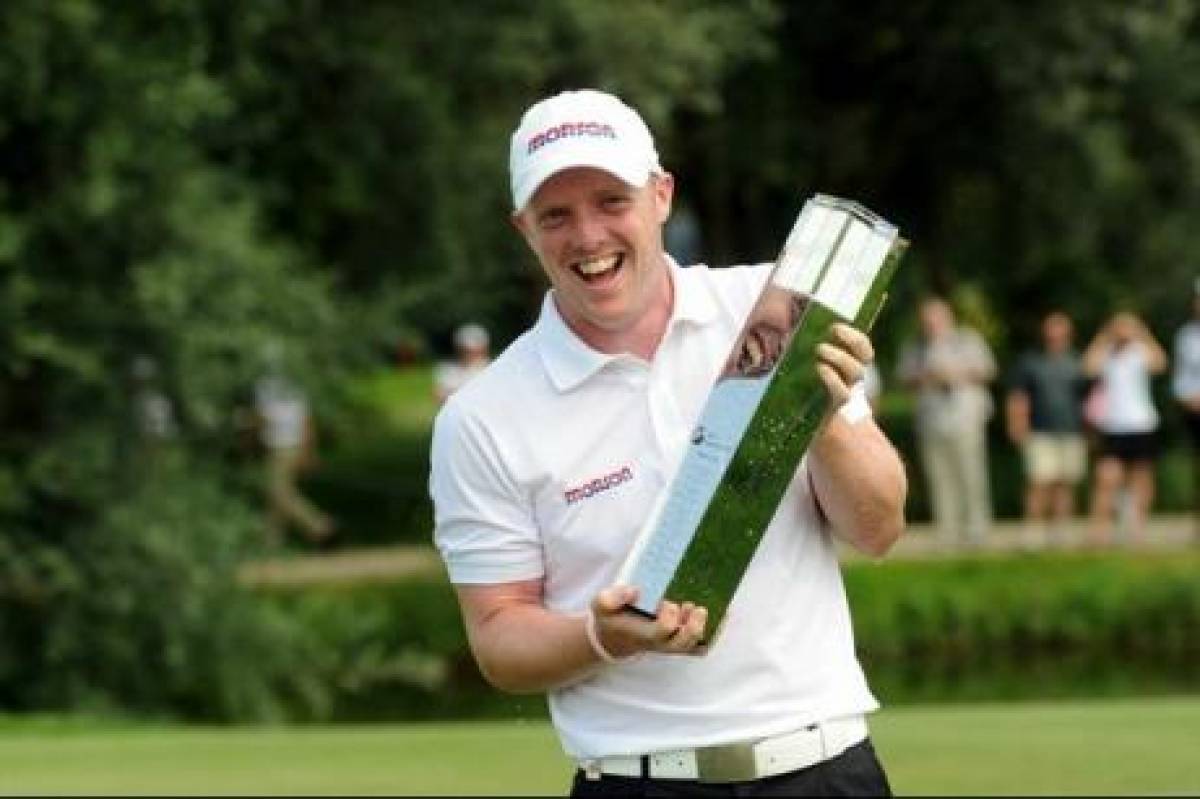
column 607, row 384
column 288, row 435
column 1044, row 413
column 472, row 354
column 949, row 367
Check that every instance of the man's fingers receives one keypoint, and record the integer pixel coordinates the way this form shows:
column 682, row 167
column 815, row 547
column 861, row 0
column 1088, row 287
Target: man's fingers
column 692, row 630
column 853, row 340
column 667, row 621
column 685, row 624
column 614, row 598
column 849, row 368
column 690, row 634
column 677, row 628
column 835, row 384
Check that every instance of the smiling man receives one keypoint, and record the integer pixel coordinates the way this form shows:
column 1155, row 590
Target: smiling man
column 546, row 466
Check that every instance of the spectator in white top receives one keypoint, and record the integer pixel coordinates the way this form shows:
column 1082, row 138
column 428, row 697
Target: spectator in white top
column 288, row 436
column 153, row 408
column 546, row 466
column 1123, row 356
column 472, row 348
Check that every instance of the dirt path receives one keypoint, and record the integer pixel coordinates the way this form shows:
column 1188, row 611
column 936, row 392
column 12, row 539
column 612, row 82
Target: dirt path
column 357, row 565
column 1166, row 533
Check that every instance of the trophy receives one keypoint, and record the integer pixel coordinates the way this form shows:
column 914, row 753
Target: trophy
column 763, row 410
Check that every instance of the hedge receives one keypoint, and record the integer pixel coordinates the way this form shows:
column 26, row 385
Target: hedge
column 987, row 628
column 375, row 461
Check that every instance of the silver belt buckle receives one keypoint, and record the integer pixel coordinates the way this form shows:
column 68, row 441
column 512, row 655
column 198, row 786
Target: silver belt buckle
column 727, row 763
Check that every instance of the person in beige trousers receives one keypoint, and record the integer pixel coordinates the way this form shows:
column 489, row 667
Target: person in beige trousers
column 950, row 366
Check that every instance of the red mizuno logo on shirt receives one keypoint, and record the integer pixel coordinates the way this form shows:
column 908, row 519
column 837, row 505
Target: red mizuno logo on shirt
column 598, row 485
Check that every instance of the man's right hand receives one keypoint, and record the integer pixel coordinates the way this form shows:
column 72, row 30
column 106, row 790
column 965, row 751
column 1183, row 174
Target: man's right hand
column 678, row 628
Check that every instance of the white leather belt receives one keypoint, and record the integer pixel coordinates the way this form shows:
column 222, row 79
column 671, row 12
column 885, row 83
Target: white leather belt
column 738, row 762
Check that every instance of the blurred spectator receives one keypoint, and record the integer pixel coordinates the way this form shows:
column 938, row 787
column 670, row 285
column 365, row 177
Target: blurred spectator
column 1185, row 385
column 155, row 414
column 1044, row 414
column 472, row 347
column 288, row 436
column 949, row 366
column 1123, row 356
column 681, row 236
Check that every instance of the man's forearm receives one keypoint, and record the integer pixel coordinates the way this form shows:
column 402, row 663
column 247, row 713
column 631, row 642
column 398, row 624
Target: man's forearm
column 860, row 483
column 528, row 649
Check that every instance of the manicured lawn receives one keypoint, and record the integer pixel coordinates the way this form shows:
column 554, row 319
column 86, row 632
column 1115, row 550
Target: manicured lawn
column 1104, row 747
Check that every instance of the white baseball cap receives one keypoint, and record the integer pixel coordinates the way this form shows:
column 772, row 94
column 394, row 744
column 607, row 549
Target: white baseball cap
column 579, row 128
column 471, row 336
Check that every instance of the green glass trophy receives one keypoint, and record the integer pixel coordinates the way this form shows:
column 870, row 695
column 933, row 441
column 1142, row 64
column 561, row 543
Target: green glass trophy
column 763, row 409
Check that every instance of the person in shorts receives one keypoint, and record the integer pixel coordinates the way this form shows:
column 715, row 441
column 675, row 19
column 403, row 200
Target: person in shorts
column 1124, row 356
column 1044, row 416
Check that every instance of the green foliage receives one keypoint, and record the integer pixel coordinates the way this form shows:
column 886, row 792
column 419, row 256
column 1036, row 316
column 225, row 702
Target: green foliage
column 1044, row 154
column 985, row 628
column 199, row 182
column 142, row 612
column 395, row 650
column 929, row 630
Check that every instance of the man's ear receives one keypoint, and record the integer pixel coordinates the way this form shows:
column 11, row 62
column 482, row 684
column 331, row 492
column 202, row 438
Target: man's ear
column 521, row 222
column 663, row 186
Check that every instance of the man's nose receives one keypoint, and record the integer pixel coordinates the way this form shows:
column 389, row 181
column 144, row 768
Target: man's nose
column 590, row 232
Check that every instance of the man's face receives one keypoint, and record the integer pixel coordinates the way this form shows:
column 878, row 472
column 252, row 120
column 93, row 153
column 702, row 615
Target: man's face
column 1056, row 332
column 1124, row 327
column 936, row 318
column 599, row 241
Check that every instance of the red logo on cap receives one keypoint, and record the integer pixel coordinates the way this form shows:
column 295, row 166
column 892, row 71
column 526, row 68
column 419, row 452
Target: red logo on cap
column 568, row 130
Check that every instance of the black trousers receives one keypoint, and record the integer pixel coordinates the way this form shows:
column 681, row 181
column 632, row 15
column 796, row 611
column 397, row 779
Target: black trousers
column 855, row 772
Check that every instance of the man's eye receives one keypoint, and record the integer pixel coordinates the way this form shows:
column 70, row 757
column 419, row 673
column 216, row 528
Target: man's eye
column 552, row 220
column 615, row 203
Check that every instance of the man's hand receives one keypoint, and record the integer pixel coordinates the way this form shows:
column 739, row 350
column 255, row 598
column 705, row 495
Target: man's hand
column 677, row 629
column 1016, row 412
column 841, row 360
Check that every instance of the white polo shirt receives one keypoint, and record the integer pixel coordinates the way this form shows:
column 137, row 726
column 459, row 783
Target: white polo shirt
column 546, row 466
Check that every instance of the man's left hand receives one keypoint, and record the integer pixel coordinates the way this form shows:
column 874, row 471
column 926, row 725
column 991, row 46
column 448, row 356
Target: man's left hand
column 841, row 359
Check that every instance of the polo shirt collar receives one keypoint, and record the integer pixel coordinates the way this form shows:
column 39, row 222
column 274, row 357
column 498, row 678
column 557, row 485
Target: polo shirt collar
column 569, row 361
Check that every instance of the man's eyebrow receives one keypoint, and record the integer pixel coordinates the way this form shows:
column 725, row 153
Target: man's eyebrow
column 553, row 210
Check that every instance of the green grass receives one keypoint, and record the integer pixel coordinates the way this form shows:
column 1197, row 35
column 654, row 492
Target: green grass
column 1087, row 747
column 400, row 400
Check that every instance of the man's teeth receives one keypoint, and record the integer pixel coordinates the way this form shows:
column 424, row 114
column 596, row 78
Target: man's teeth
column 755, row 352
column 594, row 266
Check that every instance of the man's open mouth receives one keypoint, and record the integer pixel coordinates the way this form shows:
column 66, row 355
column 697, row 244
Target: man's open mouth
column 760, row 350
column 599, row 269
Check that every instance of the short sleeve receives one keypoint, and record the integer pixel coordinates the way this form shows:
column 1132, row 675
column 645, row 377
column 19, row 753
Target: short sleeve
column 980, row 352
column 483, row 524
column 1020, row 377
